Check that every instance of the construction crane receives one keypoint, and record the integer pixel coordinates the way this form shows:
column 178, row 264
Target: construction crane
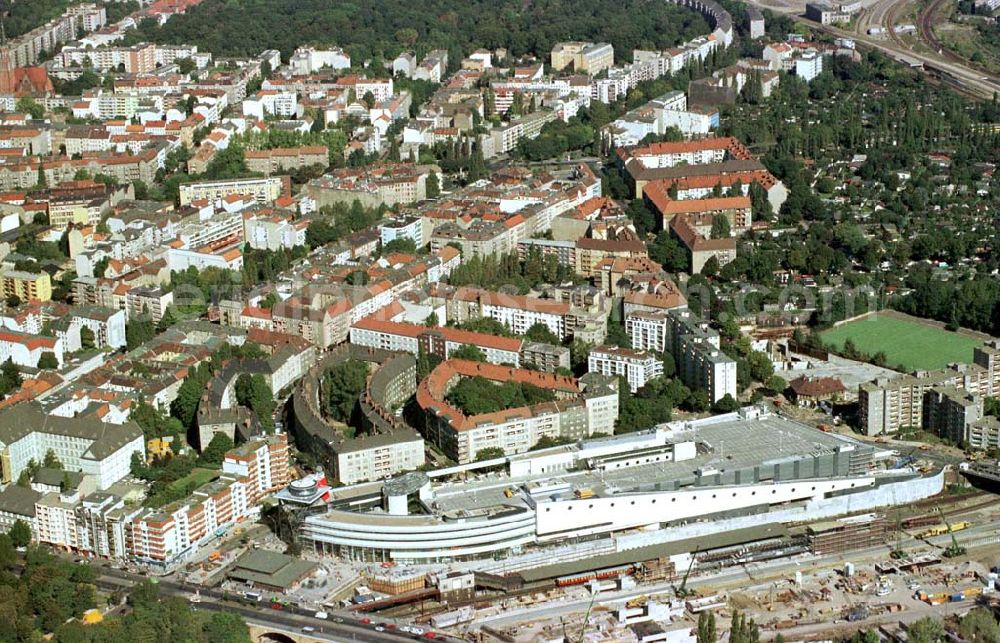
column 898, row 553
column 954, row 549
column 683, row 591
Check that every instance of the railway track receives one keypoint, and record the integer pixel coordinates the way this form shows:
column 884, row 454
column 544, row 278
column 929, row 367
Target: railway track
column 925, row 30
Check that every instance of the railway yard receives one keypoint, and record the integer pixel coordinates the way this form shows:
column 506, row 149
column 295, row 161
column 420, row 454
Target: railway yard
column 904, row 30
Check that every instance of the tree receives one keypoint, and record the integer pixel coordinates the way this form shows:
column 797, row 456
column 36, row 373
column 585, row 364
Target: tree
column 214, row 452
column 725, row 404
column 10, row 377
column 400, row 244
column 706, row 627
column 253, row 392
column 668, row 252
column 341, row 386
column 433, row 186
column 185, row 405
column 720, row 227
column 469, row 352
column 669, row 365
column 539, row 332
column 697, row 401
column 225, row 627
column 761, row 366
column 776, row 383
column 546, row 442
column 8, row 553
column 20, row 533
column 868, row 636
column 711, row 267
column 28, row 105
column 743, row 631
column 979, row 626
column 87, row 338
column 48, row 360
column 489, row 453
column 138, row 332
column 926, row 630
column 51, row 461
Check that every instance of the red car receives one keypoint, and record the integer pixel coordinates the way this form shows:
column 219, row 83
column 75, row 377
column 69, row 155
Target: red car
column 430, row 635
column 365, row 621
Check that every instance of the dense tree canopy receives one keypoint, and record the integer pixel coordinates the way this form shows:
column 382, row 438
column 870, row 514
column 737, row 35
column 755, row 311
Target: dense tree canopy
column 475, row 395
column 387, row 27
column 340, row 388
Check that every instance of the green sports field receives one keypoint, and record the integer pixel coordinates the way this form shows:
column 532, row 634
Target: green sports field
column 909, row 344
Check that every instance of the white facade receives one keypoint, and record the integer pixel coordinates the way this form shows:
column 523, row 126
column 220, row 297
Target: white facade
column 270, row 102
column 637, row 367
column 26, row 350
column 73, row 442
column 306, row 60
column 809, row 65
column 379, row 460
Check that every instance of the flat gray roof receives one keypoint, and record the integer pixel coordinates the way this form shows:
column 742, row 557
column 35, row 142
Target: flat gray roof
column 735, row 443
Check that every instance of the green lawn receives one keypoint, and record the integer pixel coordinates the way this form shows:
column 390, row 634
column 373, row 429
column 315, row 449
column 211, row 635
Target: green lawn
column 198, row 476
column 909, row 344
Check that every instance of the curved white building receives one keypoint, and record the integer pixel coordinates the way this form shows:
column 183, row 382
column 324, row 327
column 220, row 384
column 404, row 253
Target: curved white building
column 750, row 465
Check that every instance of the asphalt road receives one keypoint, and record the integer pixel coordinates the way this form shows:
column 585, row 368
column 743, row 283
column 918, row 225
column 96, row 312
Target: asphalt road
column 290, row 617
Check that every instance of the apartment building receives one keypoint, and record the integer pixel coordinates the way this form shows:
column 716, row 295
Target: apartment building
column 695, row 169
column 582, row 407
column 308, row 60
column 380, row 88
column 737, row 208
column 107, row 324
column 274, row 232
column 141, row 58
column 26, row 49
column 82, row 443
column 26, row 286
column 263, row 190
column 588, row 57
column 887, row 405
column 636, row 366
column 949, row 411
column 389, row 184
column 694, row 345
column 287, row 158
column 516, row 312
column 147, row 302
column 983, row 434
column 591, row 254
column 263, row 461
column 694, row 234
column 271, row 102
column 545, row 357
column 440, row 341
column 378, row 456
column 809, row 65
column 405, row 227
column 164, row 537
column 25, row 350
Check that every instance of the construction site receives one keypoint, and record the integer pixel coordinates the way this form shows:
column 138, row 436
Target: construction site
column 805, row 581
